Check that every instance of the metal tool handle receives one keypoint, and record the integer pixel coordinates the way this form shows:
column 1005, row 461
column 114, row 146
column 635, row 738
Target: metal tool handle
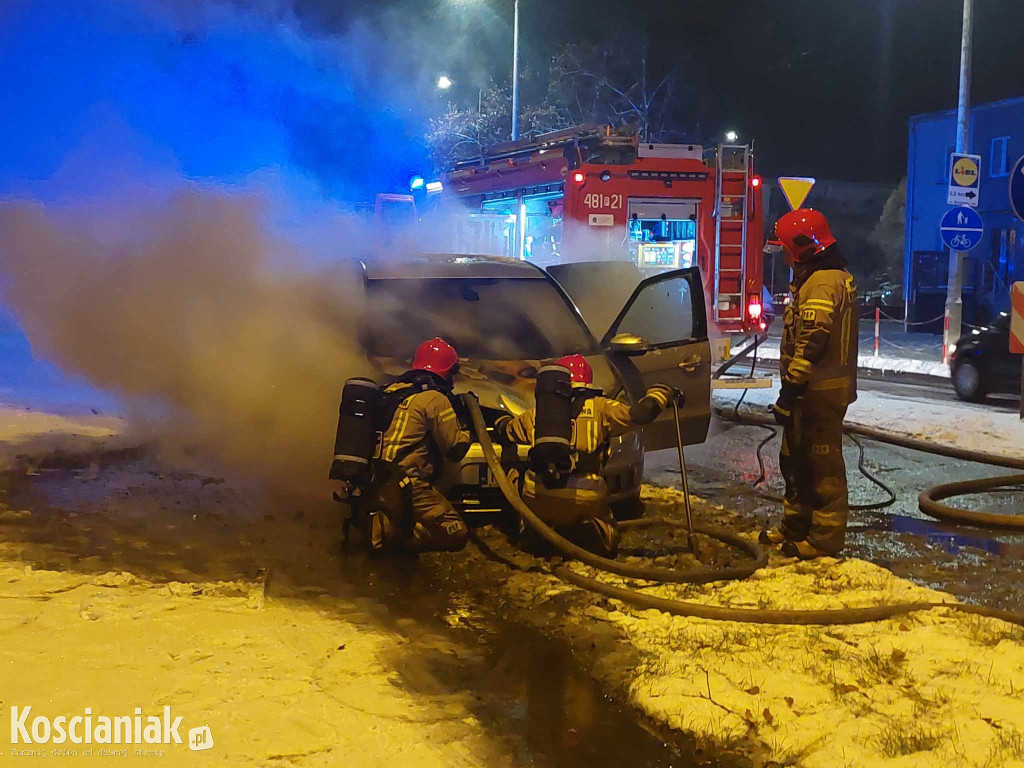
column 682, row 471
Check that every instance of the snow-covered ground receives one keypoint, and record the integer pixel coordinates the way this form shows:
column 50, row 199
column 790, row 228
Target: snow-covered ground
column 952, row 423
column 886, row 362
column 930, row 689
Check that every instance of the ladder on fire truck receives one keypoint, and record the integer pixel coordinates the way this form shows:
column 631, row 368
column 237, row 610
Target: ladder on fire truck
column 732, row 190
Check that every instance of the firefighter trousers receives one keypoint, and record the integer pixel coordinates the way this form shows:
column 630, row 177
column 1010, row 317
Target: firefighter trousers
column 437, row 527
column 817, row 501
column 578, row 512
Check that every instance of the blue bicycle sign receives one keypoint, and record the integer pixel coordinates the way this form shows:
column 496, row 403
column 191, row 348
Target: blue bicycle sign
column 961, row 242
column 961, row 228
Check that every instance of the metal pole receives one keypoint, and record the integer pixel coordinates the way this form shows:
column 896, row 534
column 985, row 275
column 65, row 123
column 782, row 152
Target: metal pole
column 1022, row 388
column 682, row 471
column 515, row 74
column 878, row 312
column 954, row 287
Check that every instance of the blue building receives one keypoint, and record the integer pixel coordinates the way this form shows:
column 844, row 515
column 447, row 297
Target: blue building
column 997, row 134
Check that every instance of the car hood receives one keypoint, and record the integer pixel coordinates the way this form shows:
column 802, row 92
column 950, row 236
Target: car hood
column 502, row 384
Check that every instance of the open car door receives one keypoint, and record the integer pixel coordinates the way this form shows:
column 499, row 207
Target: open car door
column 599, row 289
column 660, row 336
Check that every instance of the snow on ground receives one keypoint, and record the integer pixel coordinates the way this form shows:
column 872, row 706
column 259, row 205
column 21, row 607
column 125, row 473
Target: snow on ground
column 25, row 432
column 279, row 682
column 886, row 362
column 930, row 689
column 950, row 423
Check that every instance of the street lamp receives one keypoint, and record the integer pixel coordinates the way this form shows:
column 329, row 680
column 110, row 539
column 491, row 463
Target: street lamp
column 731, row 136
column 444, row 83
column 515, row 74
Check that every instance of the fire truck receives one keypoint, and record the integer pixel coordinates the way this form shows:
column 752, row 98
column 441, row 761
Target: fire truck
column 585, row 194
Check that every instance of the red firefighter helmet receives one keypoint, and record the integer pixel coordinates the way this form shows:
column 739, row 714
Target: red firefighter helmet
column 579, row 368
column 804, row 233
column 436, row 356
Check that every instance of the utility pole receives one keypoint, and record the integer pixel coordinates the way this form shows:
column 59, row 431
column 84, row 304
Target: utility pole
column 515, row 74
column 954, row 286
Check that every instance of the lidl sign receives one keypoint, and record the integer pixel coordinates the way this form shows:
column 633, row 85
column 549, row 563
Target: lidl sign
column 964, row 180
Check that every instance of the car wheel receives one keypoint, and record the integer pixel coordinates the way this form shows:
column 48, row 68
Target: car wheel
column 969, row 382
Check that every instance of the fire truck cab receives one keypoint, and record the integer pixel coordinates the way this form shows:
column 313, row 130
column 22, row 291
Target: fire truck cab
column 584, row 194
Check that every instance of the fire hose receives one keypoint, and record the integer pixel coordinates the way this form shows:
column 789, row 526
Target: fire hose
column 929, row 499
column 698, row 576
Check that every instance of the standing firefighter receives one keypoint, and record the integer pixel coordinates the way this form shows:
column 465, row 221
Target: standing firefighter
column 819, row 381
column 570, row 431
column 417, row 430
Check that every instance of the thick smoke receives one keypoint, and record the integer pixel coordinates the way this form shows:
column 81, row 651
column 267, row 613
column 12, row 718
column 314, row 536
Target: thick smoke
column 213, row 349
column 178, row 186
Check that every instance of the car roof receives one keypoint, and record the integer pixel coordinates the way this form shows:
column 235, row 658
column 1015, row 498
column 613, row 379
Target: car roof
column 450, row 265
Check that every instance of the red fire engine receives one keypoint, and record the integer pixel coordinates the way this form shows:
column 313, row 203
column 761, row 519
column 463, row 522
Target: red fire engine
column 584, row 194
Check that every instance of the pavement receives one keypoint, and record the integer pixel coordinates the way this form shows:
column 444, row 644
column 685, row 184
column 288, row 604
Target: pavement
column 899, row 352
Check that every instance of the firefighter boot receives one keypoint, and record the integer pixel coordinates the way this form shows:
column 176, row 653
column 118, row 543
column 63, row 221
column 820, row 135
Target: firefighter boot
column 804, row 550
column 773, row 536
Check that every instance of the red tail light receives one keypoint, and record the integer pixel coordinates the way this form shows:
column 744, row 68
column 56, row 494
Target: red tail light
column 755, row 182
column 754, row 308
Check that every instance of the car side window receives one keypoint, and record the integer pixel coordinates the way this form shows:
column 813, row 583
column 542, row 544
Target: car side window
column 662, row 312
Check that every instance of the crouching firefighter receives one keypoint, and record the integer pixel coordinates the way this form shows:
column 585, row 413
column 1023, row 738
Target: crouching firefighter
column 390, row 446
column 570, row 430
column 819, row 381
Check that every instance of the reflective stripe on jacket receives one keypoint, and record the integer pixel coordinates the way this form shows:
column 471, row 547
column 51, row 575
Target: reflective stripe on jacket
column 424, row 430
column 599, row 420
column 819, row 343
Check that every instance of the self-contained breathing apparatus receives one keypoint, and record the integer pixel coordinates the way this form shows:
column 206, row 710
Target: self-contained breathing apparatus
column 378, row 491
column 558, row 404
column 551, row 456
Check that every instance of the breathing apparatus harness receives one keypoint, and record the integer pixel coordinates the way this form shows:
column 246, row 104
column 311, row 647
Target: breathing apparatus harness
column 374, row 485
column 559, row 404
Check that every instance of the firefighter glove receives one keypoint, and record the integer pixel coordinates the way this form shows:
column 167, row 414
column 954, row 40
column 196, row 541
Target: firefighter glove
column 656, row 399
column 501, row 426
column 783, row 408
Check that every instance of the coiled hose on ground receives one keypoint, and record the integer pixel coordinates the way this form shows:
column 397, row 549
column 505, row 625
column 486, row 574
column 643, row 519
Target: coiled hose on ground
column 769, row 426
column 928, row 500
column 704, row 575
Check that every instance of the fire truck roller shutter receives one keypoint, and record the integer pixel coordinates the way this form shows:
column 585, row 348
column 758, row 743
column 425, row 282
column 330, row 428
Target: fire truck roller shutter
column 654, row 208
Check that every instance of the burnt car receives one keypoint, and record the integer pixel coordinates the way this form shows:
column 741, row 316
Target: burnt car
column 508, row 318
column 982, row 363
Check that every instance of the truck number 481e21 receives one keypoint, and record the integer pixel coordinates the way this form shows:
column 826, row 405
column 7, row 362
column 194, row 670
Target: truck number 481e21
column 597, row 200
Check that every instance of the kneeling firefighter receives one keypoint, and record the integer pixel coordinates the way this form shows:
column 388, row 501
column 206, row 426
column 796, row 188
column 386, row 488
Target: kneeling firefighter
column 570, row 431
column 819, row 381
column 389, row 448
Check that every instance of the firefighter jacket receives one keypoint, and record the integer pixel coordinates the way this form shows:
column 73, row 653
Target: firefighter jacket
column 819, row 343
column 597, row 420
column 424, row 430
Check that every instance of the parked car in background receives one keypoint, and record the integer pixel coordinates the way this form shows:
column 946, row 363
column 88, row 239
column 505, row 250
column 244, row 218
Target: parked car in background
column 983, row 364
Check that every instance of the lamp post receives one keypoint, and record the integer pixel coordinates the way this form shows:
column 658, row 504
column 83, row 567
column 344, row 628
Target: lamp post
column 515, row 73
column 954, row 285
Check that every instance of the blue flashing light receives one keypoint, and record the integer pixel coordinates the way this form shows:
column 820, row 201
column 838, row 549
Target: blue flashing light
column 416, row 182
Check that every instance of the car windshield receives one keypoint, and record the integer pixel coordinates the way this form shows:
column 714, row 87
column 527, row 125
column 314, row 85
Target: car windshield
column 494, row 319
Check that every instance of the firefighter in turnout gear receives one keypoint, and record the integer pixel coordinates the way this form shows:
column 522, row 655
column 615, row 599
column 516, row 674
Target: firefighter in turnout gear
column 819, row 381
column 421, row 430
column 577, row 506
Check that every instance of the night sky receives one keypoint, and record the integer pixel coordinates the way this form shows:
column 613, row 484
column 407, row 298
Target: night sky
column 825, row 87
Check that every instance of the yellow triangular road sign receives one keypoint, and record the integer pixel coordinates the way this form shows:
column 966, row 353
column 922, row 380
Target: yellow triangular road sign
column 796, row 189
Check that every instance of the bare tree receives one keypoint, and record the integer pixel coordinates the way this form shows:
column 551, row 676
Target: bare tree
column 617, row 83
column 462, row 132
